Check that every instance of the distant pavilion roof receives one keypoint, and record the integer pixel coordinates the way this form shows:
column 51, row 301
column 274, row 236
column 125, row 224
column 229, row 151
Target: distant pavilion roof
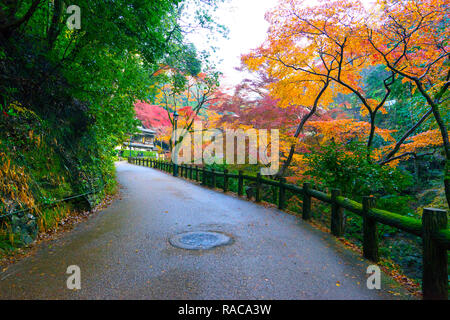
column 140, row 145
column 148, row 131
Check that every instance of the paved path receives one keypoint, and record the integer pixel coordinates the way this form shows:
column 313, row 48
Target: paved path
column 124, row 253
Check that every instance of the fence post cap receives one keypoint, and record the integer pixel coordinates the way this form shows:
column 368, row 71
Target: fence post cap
column 434, row 210
column 430, row 214
column 368, row 201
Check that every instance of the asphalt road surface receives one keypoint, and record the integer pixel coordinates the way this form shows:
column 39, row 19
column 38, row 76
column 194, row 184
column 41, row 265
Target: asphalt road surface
column 124, row 251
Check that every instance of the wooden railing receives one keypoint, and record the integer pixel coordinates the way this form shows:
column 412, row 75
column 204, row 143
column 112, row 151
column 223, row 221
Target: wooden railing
column 432, row 229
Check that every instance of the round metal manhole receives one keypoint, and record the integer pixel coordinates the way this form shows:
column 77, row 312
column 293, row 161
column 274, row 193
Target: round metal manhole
column 200, row 240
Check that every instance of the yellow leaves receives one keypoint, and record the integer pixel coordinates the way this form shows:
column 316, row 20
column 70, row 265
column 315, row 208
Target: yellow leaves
column 303, row 45
column 405, row 80
column 19, row 108
column 363, row 111
column 344, row 129
column 424, row 140
column 253, row 61
column 373, row 105
column 14, row 185
column 383, row 110
column 419, row 53
column 299, row 158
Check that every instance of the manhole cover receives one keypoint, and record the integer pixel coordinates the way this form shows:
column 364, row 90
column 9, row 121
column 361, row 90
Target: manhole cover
column 201, row 240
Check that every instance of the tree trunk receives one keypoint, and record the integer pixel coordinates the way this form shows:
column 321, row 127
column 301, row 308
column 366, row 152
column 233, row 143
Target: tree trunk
column 288, row 161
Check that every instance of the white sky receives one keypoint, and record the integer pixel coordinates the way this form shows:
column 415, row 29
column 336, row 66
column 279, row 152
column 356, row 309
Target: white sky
column 247, row 30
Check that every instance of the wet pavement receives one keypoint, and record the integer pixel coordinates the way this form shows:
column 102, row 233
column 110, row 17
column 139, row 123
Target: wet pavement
column 124, row 251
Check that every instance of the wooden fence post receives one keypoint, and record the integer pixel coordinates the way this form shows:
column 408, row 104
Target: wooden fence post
column 240, row 183
column 258, row 187
column 190, row 171
column 204, row 176
column 306, row 210
column 213, row 178
column 337, row 215
column 435, row 268
column 370, row 237
column 196, row 173
column 282, row 194
column 274, row 195
column 225, row 180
